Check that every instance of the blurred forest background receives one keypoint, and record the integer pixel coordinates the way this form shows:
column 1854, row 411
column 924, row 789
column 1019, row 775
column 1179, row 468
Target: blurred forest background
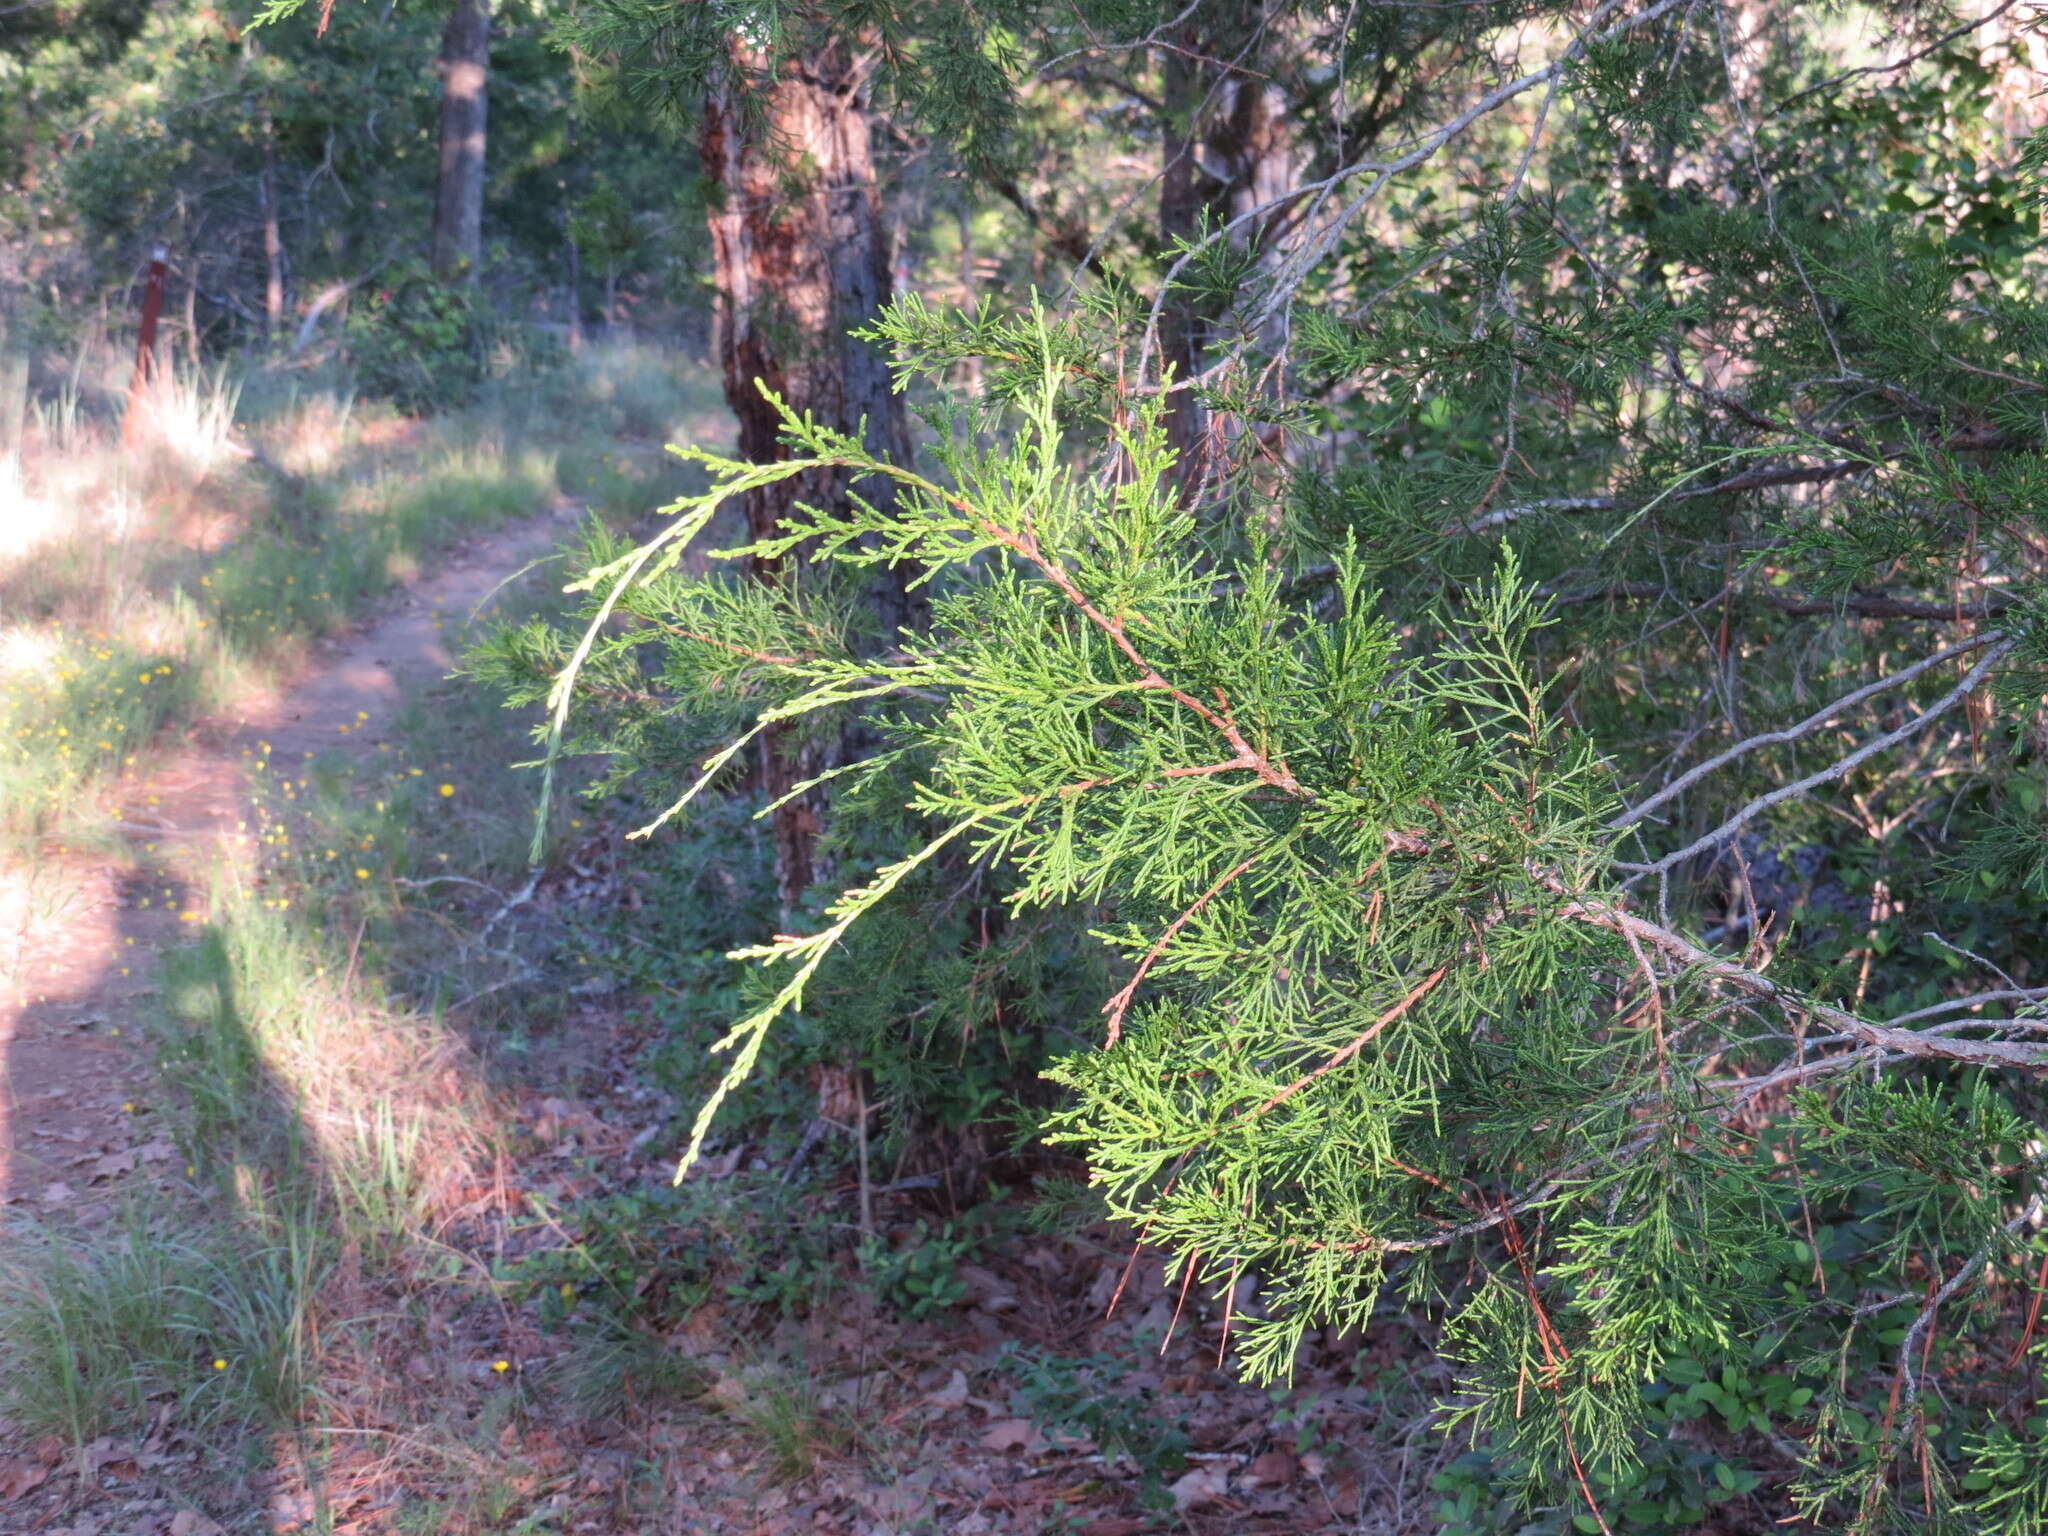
column 1553, row 486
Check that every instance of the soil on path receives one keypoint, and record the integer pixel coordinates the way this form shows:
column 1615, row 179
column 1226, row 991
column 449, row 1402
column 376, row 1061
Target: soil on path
column 80, row 933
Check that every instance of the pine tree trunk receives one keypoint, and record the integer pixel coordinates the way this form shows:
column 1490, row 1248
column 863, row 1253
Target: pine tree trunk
column 1228, row 151
column 31, row 184
column 1251, row 140
column 801, row 258
column 459, row 188
column 273, row 243
column 575, row 298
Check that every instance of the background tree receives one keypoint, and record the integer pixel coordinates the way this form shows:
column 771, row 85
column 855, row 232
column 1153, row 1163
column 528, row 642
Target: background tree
column 800, row 251
column 606, row 233
column 465, row 69
column 801, row 262
column 289, row 171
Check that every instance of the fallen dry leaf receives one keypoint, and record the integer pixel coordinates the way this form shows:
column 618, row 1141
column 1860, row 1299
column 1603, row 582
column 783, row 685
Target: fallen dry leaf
column 112, row 1164
column 729, row 1394
column 91, row 1456
column 290, row 1509
column 1012, row 1435
column 18, row 1474
column 952, row 1395
column 1204, row 1485
column 1275, row 1467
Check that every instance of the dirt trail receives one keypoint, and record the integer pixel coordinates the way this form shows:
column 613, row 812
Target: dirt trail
column 79, row 937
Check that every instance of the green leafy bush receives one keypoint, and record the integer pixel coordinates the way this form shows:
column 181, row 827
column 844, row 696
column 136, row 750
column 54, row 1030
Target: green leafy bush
column 419, row 341
column 1492, row 703
column 920, row 1275
column 1387, row 996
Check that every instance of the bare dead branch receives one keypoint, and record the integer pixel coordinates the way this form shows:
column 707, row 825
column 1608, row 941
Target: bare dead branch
column 1907, row 1042
column 1805, row 728
column 1863, row 605
column 1896, row 65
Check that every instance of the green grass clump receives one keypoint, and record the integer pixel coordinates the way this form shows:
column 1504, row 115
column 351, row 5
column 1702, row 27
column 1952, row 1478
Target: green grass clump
column 299, row 1087
column 271, row 590
column 469, row 487
column 96, row 1332
column 328, row 1115
column 75, row 706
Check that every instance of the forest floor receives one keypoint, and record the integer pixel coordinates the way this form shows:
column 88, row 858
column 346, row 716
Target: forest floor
column 217, row 1091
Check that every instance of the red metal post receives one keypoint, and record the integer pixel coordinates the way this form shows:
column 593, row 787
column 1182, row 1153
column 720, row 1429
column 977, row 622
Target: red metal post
column 145, row 346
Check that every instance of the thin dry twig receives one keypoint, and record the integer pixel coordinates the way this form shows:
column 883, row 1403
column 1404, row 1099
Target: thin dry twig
column 1907, row 1042
column 1804, row 728
column 1896, row 65
column 1310, row 252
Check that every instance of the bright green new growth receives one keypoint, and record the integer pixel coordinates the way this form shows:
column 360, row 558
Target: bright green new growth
column 1387, row 1002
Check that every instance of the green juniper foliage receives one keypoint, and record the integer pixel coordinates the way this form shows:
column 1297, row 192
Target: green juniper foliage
column 1386, row 1002
column 1560, row 804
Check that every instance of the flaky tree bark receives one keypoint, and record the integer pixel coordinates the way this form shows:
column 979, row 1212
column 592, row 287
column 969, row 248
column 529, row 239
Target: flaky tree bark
column 465, row 67
column 1252, row 139
column 801, row 258
column 1229, row 149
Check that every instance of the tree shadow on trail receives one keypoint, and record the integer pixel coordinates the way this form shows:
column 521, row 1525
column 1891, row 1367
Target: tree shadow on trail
column 159, row 1283
column 241, row 1298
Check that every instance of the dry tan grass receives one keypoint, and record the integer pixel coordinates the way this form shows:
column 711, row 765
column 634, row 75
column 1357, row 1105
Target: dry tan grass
column 175, row 473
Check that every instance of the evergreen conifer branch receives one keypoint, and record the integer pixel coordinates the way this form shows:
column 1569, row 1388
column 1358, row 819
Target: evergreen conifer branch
column 808, row 952
column 1597, row 27
column 1385, row 1013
